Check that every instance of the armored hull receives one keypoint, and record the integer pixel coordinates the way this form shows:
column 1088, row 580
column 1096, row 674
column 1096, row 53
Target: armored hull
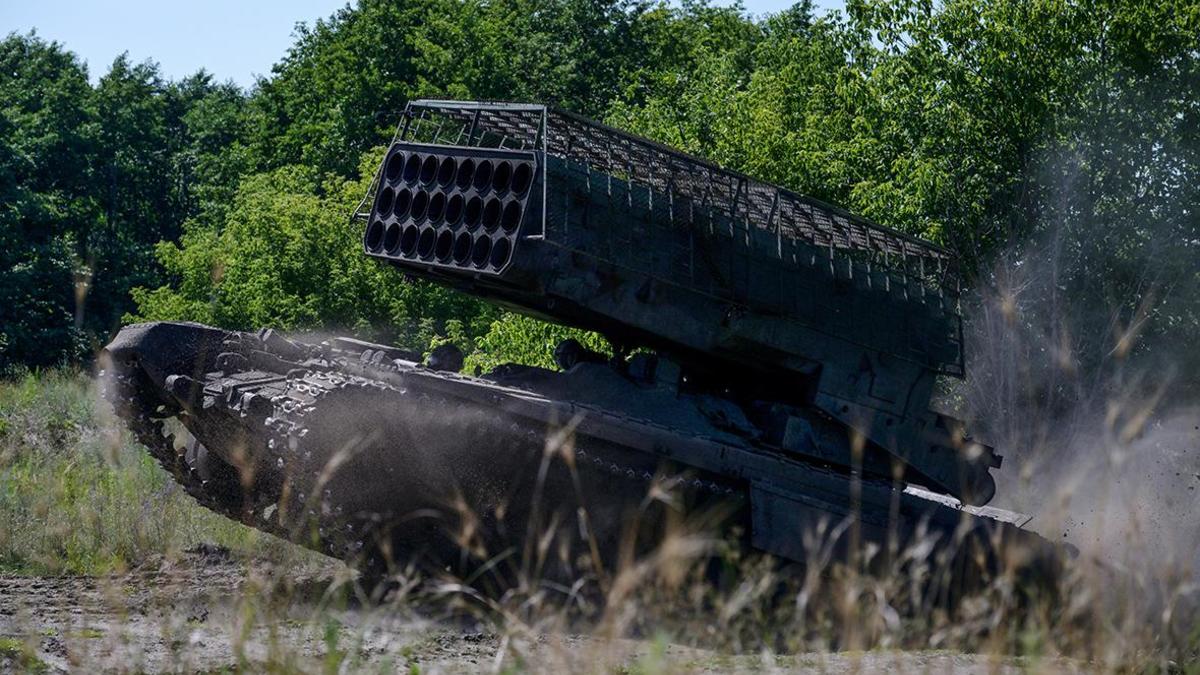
column 359, row 451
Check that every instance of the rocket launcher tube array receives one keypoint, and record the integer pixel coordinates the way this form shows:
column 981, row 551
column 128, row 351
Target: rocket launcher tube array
column 434, row 207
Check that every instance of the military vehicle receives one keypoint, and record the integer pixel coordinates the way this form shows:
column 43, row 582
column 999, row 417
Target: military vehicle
column 772, row 362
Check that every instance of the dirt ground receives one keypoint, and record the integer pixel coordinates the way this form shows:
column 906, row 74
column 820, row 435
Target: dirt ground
column 209, row 612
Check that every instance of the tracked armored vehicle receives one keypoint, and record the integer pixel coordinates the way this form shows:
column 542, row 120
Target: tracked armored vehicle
column 773, row 360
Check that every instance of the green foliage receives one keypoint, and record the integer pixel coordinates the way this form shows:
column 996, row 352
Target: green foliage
column 519, row 339
column 44, row 141
column 985, row 126
column 21, row 654
column 287, row 256
column 978, row 123
column 342, row 87
column 77, row 495
column 90, row 179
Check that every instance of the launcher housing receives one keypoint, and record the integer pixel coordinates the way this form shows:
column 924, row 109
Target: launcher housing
column 745, row 289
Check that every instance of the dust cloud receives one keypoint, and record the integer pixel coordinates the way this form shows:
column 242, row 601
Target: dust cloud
column 1092, row 397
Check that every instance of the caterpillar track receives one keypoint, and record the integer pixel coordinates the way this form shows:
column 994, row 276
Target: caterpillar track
column 313, row 443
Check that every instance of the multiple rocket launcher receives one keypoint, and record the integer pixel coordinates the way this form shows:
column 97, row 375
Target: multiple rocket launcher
column 774, row 359
column 745, row 289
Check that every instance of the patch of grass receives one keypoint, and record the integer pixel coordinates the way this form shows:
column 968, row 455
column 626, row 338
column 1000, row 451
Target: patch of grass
column 11, row 646
column 77, row 495
column 20, row 656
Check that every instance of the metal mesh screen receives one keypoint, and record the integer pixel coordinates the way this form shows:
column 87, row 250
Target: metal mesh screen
column 746, row 202
column 762, row 224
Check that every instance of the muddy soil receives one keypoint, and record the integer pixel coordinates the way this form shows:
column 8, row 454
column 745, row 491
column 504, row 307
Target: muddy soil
column 208, row 611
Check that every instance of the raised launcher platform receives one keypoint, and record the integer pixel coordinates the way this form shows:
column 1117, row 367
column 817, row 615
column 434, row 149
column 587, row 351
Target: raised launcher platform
column 754, row 290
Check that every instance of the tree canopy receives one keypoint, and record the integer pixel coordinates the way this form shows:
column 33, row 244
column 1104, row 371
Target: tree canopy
column 1069, row 129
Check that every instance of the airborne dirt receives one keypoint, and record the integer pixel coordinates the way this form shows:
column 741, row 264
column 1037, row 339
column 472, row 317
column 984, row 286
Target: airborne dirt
column 208, row 611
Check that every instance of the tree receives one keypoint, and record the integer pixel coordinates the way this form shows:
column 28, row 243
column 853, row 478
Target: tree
column 287, row 256
column 92, row 179
column 980, row 124
column 46, row 137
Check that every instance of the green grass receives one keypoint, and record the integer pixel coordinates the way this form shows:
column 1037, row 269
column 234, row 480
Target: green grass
column 19, row 656
column 77, row 495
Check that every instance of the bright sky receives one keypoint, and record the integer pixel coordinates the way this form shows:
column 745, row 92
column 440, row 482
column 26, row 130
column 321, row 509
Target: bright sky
column 233, row 39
